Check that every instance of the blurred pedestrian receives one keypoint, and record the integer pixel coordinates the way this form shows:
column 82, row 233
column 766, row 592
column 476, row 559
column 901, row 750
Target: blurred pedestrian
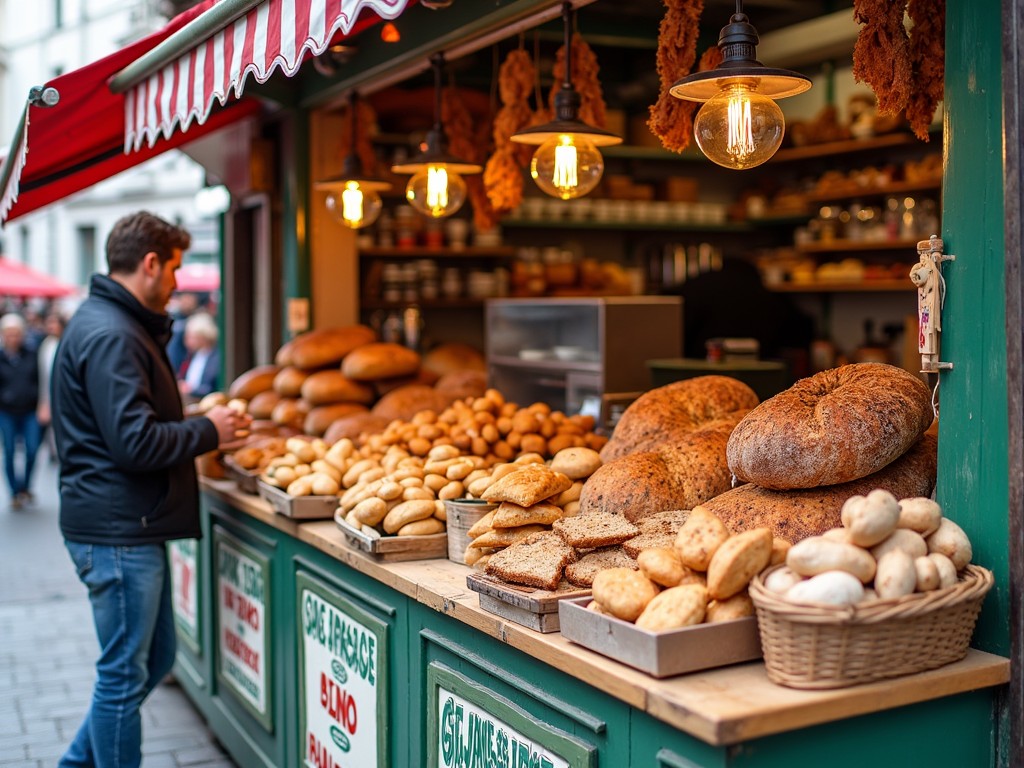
column 181, row 308
column 127, row 475
column 201, row 369
column 47, row 352
column 19, row 396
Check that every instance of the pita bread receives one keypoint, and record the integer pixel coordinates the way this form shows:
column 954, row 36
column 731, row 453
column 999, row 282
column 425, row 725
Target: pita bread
column 510, row 515
column 527, row 486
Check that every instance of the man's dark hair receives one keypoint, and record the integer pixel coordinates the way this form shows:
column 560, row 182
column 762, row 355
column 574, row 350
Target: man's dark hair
column 136, row 235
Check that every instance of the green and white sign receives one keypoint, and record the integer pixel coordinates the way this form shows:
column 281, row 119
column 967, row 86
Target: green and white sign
column 473, row 727
column 243, row 578
column 342, row 671
column 182, row 555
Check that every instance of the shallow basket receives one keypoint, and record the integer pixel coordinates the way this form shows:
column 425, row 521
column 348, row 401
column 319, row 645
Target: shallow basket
column 823, row 646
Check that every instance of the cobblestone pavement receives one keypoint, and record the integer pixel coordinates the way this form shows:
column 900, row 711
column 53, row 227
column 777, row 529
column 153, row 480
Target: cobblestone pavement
column 48, row 648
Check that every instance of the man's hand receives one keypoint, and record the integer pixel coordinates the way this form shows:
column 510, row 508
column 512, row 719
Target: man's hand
column 228, row 422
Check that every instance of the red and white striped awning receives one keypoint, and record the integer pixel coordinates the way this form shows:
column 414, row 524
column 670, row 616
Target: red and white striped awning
column 276, row 34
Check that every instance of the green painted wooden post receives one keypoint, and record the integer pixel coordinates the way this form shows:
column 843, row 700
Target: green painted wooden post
column 294, row 174
column 973, row 429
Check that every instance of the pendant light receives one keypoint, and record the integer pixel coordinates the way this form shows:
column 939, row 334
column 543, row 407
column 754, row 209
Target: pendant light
column 740, row 125
column 353, row 197
column 567, row 162
column 436, row 188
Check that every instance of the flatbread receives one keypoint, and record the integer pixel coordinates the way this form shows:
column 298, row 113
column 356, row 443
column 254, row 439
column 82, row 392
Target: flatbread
column 527, row 486
column 510, row 515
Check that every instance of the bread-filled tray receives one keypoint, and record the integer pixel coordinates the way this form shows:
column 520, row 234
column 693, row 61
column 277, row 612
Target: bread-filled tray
column 246, row 480
column 661, row 654
column 530, row 607
column 299, row 507
column 393, row 549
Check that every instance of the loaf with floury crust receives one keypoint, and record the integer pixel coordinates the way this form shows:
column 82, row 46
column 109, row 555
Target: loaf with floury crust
column 680, row 474
column 663, row 415
column 834, row 427
column 794, row 515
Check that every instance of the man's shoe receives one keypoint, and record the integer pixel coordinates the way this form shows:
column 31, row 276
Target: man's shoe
column 16, row 502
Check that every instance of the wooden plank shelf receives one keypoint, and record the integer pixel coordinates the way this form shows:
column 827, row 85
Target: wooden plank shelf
column 859, row 246
column 837, row 286
column 632, row 225
column 896, row 188
column 845, row 147
column 423, row 252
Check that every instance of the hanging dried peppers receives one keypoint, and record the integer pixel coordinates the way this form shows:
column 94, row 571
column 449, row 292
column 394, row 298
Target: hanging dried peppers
column 503, row 179
column 585, row 79
column 927, row 60
column 671, row 119
column 881, row 56
column 458, row 125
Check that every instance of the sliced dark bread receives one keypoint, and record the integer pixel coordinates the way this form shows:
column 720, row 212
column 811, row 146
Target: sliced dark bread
column 537, row 561
column 601, row 529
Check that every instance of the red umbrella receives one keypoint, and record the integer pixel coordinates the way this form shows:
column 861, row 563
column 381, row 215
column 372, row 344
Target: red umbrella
column 18, row 280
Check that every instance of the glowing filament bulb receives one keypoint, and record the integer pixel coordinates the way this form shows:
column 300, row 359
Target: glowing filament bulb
column 437, row 188
column 565, row 176
column 741, row 133
column 352, row 203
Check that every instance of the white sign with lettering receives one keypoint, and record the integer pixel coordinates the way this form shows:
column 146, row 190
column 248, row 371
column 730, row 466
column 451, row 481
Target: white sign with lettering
column 241, row 613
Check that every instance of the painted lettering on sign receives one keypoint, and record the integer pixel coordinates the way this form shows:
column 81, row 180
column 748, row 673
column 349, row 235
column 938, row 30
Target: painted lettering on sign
column 469, row 737
column 241, row 617
column 184, row 583
column 340, row 686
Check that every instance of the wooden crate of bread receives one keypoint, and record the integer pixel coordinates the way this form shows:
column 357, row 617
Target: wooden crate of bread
column 531, row 607
column 392, row 549
column 298, row 507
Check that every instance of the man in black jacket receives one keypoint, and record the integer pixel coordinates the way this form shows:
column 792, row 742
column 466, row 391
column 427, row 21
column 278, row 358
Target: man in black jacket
column 19, row 395
column 127, row 480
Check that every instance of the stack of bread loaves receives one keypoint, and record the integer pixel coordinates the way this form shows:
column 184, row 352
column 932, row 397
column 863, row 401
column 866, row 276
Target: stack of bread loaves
column 840, row 433
column 668, row 450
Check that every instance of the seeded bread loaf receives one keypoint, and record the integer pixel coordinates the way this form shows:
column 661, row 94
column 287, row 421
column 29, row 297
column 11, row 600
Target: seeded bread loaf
column 796, row 514
column 834, row 427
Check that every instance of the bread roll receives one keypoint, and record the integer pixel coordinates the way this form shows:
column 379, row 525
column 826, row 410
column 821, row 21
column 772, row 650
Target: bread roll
column 262, row 405
column 380, row 361
column 834, row 427
column 289, row 412
column 795, row 515
column 448, row 358
column 460, row 384
column 353, row 425
column 252, row 382
column 406, row 402
column 328, row 346
column 326, row 387
column 289, row 381
column 658, row 417
column 422, row 376
column 320, row 418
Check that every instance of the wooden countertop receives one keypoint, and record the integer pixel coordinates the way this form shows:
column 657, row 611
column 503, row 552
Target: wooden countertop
column 720, row 706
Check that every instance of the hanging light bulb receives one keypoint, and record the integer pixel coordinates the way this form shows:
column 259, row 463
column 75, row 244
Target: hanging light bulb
column 436, row 188
column 353, row 198
column 740, row 125
column 567, row 162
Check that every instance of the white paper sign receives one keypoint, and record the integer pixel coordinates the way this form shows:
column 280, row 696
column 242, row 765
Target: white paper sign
column 184, row 586
column 340, row 674
column 241, row 615
column 469, row 736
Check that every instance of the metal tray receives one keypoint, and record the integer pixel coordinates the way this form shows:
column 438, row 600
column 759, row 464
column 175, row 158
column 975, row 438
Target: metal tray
column 393, row 549
column 660, row 654
column 299, row 507
column 246, row 480
column 531, row 607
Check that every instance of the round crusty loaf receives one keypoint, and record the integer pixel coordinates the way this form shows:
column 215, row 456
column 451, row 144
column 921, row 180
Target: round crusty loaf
column 663, row 414
column 405, row 402
column 460, row 384
column 353, row 425
column 680, row 475
column 263, row 404
column 253, row 381
column 794, row 515
column 325, row 387
column 289, row 412
column 453, row 356
column 317, row 349
column 289, row 381
column 836, row 426
column 380, row 361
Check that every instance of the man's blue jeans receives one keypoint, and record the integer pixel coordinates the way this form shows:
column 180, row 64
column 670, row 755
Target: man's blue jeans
column 26, row 427
column 130, row 592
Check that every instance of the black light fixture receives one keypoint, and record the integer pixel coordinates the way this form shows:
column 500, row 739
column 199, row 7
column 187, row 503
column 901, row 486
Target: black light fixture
column 740, row 125
column 353, row 197
column 567, row 162
column 436, row 188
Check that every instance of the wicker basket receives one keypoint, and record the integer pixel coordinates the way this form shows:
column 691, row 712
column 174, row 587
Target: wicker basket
column 821, row 646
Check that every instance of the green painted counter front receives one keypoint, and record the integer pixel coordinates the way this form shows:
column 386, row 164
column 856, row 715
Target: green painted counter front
column 443, row 693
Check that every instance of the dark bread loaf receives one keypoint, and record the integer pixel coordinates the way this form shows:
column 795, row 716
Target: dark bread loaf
column 405, row 402
column 679, row 475
column 666, row 413
column 461, row 384
column 834, row 427
column 796, row 514
column 326, row 387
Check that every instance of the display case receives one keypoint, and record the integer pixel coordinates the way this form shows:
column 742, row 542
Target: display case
column 580, row 354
